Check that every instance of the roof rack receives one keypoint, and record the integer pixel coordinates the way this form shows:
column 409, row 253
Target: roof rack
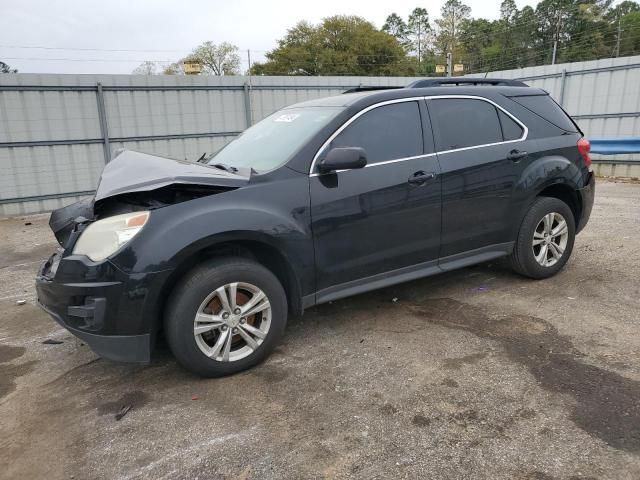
column 363, row 88
column 439, row 82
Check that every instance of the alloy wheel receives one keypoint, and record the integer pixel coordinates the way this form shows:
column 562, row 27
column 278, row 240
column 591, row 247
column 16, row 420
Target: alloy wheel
column 550, row 239
column 232, row 322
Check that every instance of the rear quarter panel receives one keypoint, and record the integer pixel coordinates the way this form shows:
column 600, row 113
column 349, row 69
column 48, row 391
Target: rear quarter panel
column 556, row 160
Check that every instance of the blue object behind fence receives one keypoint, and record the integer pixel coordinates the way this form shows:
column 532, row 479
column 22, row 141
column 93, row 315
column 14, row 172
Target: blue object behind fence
column 613, row 146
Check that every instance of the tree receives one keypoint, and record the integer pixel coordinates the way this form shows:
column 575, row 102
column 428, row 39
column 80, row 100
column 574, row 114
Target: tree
column 419, row 31
column 4, row 68
column 630, row 33
column 453, row 14
column 175, row 68
column 508, row 11
column 479, row 43
column 396, row 26
column 146, row 68
column 339, row 45
column 222, row 59
column 508, row 17
column 622, row 9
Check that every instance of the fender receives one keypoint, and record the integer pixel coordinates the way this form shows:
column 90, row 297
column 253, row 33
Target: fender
column 540, row 174
column 176, row 232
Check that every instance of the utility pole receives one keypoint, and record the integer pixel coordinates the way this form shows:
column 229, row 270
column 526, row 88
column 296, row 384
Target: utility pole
column 419, row 45
column 555, row 42
column 619, row 35
column 449, row 64
column 249, row 62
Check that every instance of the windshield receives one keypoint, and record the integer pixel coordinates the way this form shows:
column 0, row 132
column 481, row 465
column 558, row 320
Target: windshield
column 271, row 142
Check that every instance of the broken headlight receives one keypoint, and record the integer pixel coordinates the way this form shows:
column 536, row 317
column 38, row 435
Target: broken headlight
column 103, row 238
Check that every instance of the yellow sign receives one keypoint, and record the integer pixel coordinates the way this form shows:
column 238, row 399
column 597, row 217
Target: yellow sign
column 458, row 67
column 440, row 68
column 192, row 68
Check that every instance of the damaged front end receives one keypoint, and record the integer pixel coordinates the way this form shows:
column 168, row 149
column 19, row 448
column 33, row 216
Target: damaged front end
column 135, row 181
column 82, row 288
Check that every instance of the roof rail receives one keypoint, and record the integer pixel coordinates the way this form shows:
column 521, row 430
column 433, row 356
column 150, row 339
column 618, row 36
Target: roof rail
column 364, row 88
column 454, row 81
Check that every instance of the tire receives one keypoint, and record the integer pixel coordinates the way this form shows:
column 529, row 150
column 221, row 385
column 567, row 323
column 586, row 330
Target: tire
column 201, row 346
column 528, row 258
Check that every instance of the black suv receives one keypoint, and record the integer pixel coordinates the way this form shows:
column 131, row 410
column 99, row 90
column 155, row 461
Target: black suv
column 321, row 200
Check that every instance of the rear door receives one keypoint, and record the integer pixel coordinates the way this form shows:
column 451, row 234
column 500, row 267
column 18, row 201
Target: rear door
column 384, row 217
column 478, row 146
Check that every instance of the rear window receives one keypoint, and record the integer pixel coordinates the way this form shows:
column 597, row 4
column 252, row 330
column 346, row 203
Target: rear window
column 545, row 107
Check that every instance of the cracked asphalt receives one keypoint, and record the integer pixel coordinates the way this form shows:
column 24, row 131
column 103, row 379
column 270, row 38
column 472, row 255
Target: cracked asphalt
column 472, row 374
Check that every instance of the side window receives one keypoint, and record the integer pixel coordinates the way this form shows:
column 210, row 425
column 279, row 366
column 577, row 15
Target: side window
column 510, row 129
column 389, row 132
column 464, row 122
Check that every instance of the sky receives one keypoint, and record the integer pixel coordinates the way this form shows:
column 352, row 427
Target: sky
column 89, row 36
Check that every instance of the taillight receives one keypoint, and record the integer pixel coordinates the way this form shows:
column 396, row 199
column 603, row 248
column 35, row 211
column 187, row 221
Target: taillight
column 584, row 147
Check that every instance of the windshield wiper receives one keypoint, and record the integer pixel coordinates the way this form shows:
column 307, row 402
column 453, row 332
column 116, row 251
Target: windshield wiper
column 225, row 167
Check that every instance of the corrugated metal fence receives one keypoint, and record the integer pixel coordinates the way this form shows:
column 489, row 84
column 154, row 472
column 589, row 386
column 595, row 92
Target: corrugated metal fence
column 57, row 131
column 603, row 96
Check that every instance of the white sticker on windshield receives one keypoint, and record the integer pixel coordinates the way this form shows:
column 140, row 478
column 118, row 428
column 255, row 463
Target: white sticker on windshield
column 287, row 117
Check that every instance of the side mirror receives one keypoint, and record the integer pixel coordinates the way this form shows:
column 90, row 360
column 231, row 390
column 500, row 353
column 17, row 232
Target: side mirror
column 343, row 158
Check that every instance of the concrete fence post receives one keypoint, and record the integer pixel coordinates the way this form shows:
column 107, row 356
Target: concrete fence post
column 247, row 105
column 563, row 81
column 104, row 128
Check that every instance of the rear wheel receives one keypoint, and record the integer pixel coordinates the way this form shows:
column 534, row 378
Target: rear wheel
column 225, row 317
column 545, row 240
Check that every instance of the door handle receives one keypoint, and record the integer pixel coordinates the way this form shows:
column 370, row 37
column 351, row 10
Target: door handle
column 516, row 155
column 421, row 177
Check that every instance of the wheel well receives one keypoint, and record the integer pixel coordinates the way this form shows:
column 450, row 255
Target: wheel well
column 259, row 252
column 568, row 195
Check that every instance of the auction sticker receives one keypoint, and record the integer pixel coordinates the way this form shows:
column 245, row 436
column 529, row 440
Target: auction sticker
column 287, row 117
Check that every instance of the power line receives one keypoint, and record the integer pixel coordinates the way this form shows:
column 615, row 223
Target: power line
column 79, row 49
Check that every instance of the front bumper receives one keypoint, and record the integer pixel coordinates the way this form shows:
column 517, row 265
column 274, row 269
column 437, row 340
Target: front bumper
column 115, row 313
column 587, row 195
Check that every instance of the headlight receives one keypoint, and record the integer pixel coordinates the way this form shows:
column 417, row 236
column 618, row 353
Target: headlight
column 104, row 237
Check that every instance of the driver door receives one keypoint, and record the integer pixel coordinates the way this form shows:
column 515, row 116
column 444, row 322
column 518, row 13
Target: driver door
column 380, row 223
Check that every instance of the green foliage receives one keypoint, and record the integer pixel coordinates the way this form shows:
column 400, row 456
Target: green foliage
column 396, row 26
column 339, row 45
column 222, row 59
column 630, row 40
column 419, row 31
column 453, row 16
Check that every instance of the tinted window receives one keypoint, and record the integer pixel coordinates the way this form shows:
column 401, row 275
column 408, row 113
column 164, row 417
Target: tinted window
column 462, row 122
column 386, row 133
column 545, row 107
column 510, row 129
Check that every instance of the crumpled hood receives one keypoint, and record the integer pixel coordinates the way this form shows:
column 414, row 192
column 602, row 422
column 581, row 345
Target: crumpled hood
column 127, row 177
column 131, row 171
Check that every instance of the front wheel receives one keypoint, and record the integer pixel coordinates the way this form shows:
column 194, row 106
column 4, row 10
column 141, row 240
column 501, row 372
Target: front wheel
column 545, row 240
column 225, row 317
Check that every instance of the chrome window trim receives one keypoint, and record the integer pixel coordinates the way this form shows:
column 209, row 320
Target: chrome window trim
column 386, row 162
column 353, row 119
column 525, row 130
column 427, row 98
